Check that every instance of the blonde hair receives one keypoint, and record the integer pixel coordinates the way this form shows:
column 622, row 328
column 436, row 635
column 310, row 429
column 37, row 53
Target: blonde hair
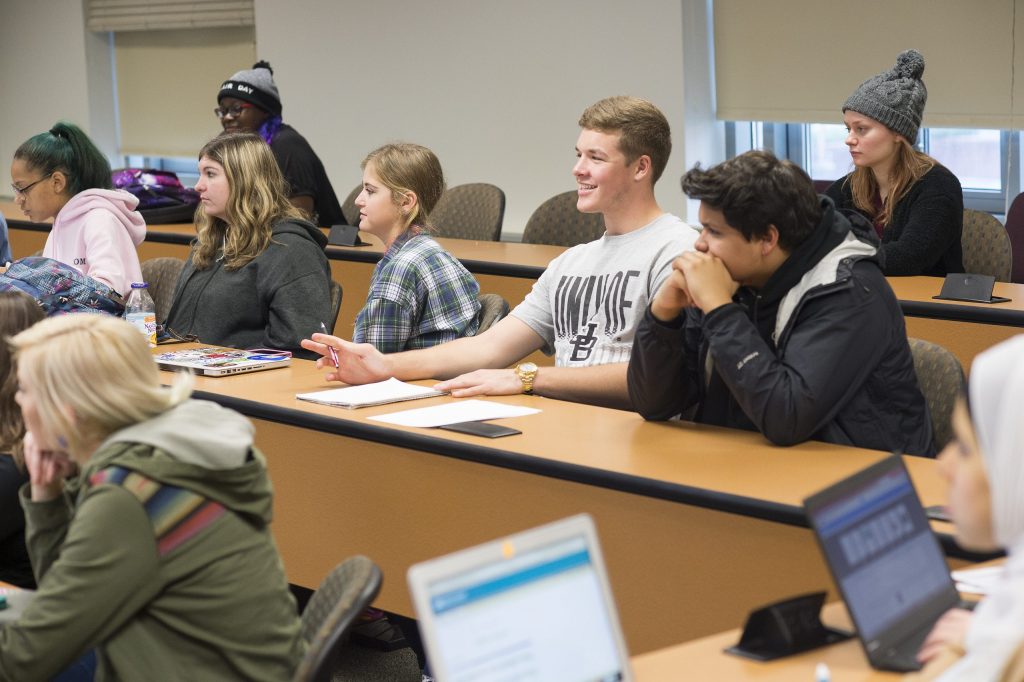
column 257, row 199
column 910, row 166
column 92, row 375
column 18, row 312
column 642, row 128
column 407, row 168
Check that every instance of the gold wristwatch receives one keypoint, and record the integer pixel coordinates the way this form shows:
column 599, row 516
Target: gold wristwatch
column 527, row 372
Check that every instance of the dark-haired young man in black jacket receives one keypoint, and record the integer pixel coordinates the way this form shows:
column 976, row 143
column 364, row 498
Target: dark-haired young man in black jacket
column 781, row 321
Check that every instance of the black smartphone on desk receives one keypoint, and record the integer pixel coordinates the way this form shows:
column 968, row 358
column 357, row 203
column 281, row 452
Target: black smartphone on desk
column 484, row 429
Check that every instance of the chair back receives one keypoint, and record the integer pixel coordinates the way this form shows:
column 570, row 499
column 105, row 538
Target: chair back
column 349, row 208
column 161, row 274
column 473, row 211
column 334, row 607
column 986, row 246
column 557, row 222
column 336, row 294
column 941, row 378
column 1015, row 231
column 492, row 308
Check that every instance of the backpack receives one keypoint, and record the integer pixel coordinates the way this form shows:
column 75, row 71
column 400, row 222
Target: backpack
column 162, row 197
column 60, row 288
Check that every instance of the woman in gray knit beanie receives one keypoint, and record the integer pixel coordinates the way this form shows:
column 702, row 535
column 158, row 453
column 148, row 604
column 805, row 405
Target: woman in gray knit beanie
column 915, row 203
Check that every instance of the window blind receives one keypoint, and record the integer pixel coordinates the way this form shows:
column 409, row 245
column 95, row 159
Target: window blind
column 167, row 83
column 798, row 60
column 146, row 15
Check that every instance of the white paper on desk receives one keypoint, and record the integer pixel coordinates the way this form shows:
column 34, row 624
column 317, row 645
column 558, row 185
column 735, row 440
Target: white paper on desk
column 978, row 580
column 453, row 413
column 381, row 393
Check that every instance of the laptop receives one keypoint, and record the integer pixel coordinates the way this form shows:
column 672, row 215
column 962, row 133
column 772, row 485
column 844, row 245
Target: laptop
column 215, row 361
column 885, row 559
column 532, row 606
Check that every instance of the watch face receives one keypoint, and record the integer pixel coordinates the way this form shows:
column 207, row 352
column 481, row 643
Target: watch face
column 528, row 367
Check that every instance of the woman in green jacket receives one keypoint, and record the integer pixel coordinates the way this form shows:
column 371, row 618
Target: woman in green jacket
column 157, row 552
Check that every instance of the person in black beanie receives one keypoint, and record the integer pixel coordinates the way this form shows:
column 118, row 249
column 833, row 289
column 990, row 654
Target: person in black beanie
column 915, row 203
column 249, row 102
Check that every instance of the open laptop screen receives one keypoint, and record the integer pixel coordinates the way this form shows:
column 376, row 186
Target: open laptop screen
column 540, row 614
column 880, row 547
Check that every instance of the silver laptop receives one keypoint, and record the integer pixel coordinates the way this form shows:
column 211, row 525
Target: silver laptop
column 532, row 606
column 215, row 361
column 885, row 559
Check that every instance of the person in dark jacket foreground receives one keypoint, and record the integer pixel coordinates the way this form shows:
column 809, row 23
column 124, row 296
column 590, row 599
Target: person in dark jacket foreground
column 781, row 321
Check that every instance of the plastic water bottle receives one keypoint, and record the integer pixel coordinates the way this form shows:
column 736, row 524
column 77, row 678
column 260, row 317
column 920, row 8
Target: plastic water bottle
column 140, row 311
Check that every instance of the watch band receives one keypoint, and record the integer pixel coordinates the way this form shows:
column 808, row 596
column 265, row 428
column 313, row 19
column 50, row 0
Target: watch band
column 527, row 373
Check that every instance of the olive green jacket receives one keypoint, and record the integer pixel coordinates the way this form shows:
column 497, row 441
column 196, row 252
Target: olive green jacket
column 170, row 573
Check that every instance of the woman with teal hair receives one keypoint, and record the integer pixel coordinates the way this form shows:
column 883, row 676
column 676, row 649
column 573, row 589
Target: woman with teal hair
column 60, row 174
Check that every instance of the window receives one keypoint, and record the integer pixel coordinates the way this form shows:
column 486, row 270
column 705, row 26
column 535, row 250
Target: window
column 979, row 158
column 827, row 156
column 186, row 169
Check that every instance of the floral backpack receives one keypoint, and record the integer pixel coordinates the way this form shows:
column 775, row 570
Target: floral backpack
column 60, row 288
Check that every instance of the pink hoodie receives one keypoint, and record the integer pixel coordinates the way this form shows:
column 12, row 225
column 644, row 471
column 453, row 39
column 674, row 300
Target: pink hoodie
column 97, row 232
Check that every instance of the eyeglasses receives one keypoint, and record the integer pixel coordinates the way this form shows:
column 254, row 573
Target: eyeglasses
column 21, row 191
column 234, row 111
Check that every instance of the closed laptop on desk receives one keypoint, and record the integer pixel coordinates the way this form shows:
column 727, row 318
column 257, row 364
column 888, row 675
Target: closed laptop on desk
column 215, row 361
column 533, row 606
column 885, row 559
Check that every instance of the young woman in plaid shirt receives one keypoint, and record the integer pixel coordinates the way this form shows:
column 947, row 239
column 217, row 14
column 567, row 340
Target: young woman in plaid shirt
column 420, row 295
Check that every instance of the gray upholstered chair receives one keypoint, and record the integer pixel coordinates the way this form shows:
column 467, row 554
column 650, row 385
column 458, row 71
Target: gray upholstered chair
column 941, row 378
column 557, row 222
column 1015, row 231
column 472, row 211
column 349, row 208
column 336, row 294
column 986, row 245
column 331, row 612
column 161, row 274
column 492, row 308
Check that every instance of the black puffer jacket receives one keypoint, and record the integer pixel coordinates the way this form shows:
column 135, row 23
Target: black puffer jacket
column 924, row 235
column 820, row 352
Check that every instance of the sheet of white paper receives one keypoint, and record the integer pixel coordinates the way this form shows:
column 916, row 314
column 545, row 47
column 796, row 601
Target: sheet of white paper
column 978, row 580
column 453, row 413
column 389, row 391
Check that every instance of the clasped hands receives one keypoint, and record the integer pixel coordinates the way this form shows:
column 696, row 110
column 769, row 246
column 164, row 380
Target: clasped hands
column 697, row 280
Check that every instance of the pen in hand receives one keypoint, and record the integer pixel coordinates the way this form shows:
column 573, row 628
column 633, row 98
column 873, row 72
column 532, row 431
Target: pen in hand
column 334, row 353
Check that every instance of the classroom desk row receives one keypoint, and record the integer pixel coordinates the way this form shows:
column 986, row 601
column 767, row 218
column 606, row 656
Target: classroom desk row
column 704, row 659
column 699, row 524
column 510, row 269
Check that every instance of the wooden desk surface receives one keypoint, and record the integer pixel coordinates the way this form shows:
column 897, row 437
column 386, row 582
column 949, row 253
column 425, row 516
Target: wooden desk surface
column 505, row 268
column 509, row 269
column 703, row 659
column 698, row 524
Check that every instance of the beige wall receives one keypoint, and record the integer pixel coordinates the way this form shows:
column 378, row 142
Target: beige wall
column 52, row 69
column 494, row 87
